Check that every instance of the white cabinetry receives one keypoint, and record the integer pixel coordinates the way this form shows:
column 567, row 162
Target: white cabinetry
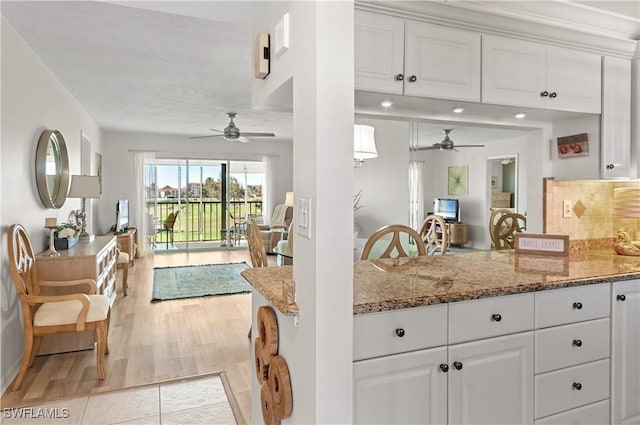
column 399, row 56
column 527, row 74
column 572, row 353
column 625, row 355
column 616, row 118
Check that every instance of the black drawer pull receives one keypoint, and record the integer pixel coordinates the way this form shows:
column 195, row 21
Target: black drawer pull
column 444, row 367
column 577, row 343
column 553, row 95
column 544, row 94
column 399, row 77
column 577, row 306
column 400, row 332
column 621, row 297
column 457, row 365
column 577, row 386
column 496, row 317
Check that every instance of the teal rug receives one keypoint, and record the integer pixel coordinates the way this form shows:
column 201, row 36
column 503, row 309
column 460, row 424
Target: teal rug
column 170, row 283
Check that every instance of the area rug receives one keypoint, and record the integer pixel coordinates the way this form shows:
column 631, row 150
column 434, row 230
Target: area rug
column 170, row 283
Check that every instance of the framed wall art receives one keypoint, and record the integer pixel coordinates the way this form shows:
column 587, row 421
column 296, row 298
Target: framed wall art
column 458, row 180
column 574, row 145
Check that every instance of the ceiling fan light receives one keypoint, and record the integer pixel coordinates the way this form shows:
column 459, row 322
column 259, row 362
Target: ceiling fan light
column 520, row 115
column 364, row 143
column 458, row 109
column 386, row 103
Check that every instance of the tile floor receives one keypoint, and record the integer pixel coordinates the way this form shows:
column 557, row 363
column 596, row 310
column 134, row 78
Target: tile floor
column 191, row 401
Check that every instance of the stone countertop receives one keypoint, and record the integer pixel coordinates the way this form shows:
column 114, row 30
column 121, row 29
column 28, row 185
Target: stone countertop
column 389, row 284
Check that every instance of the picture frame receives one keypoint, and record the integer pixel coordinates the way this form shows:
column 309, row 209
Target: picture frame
column 458, row 180
column 494, row 182
column 573, row 146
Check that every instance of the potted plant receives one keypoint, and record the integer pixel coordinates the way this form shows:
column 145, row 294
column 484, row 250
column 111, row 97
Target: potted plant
column 66, row 236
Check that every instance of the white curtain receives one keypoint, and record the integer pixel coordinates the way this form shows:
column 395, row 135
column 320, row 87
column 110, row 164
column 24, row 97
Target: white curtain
column 267, row 190
column 416, row 194
column 139, row 202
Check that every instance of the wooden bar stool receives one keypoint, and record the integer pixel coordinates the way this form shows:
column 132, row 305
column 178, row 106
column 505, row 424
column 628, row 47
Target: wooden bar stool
column 122, row 262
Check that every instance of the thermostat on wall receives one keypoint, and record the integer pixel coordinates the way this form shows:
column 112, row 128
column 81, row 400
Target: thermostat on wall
column 261, row 56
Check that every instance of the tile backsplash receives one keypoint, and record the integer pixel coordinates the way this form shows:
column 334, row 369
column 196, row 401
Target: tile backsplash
column 591, row 210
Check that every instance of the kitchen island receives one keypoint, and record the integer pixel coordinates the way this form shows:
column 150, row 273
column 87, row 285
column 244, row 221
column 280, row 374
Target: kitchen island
column 491, row 337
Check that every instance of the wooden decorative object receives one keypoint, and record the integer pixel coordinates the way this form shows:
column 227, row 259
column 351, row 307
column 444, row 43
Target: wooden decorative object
column 261, row 56
column 262, row 370
column 541, row 244
column 280, row 385
column 266, row 399
column 267, row 333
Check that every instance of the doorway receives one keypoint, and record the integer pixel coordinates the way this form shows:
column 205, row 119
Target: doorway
column 502, row 172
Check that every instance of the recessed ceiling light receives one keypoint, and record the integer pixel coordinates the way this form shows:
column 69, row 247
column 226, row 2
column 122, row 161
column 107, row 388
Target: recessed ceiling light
column 520, row 115
column 386, row 103
column 458, row 109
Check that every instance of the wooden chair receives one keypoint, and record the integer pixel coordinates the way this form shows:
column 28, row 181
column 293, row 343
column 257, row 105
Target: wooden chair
column 496, row 214
column 168, row 225
column 506, row 228
column 395, row 244
column 256, row 245
column 435, row 235
column 122, row 262
column 53, row 314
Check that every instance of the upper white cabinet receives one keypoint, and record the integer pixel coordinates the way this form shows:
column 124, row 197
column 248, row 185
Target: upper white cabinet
column 526, row 74
column 399, row 56
column 616, row 118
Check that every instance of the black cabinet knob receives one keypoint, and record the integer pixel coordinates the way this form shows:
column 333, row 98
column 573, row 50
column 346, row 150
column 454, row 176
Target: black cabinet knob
column 544, row 94
column 577, row 306
column 610, row 166
column 399, row 77
column 577, row 386
column 621, row 297
column 496, row 317
column 413, row 79
column 553, row 94
column 400, row 332
column 457, row 365
column 444, row 367
column 577, row 343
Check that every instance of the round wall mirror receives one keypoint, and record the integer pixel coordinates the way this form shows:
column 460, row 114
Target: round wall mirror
column 52, row 169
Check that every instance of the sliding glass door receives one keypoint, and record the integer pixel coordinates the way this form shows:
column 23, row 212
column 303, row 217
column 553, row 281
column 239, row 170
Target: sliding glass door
column 203, row 204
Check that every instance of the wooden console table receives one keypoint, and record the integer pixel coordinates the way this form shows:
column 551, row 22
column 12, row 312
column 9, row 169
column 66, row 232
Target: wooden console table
column 95, row 260
column 127, row 242
column 458, row 234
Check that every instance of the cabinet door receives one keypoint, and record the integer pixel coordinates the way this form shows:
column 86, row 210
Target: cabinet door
column 513, row 72
column 616, row 118
column 625, row 363
column 573, row 80
column 405, row 388
column 442, row 62
column 379, row 52
column 494, row 384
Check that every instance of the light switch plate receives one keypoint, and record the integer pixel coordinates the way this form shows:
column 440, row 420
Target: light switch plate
column 303, row 217
column 566, row 208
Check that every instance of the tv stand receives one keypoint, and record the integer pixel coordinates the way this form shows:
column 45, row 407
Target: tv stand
column 458, row 234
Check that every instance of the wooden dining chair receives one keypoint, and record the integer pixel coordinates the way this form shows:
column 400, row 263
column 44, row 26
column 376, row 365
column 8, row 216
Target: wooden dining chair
column 53, row 314
column 122, row 262
column 397, row 231
column 506, row 228
column 435, row 235
column 496, row 214
column 256, row 245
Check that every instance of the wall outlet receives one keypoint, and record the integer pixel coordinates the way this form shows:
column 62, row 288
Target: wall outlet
column 566, row 208
column 303, row 217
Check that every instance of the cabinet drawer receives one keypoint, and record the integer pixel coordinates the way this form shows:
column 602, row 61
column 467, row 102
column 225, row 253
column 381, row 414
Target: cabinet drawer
column 570, row 305
column 558, row 391
column 592, row 414
column 379, row 334
column 571, row 345
column 477, row 319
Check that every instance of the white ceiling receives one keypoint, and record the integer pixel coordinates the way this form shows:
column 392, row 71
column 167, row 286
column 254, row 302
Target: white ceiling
column 176, row 67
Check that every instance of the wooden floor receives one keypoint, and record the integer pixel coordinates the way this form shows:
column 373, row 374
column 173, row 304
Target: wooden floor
column 155, row 342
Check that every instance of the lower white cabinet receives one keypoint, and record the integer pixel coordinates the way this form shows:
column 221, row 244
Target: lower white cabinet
column 625, row 353
column 491, row 381
column 408, row 388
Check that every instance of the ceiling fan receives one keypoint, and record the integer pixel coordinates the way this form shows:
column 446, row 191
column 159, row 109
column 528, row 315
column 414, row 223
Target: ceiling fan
column 446, row 144
column 233, row 133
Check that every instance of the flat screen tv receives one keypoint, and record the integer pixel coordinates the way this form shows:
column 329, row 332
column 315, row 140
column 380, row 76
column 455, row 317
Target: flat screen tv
column 122, row 215
column 449, row 209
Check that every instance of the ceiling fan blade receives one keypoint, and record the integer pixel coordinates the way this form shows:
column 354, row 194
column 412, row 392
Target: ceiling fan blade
column 425, row 148
column 204, row 137
column 219, row 131
column 257, row 134
column 469, row 146
column 242, row 139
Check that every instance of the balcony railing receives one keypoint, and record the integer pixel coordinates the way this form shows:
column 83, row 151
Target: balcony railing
column 201, row 221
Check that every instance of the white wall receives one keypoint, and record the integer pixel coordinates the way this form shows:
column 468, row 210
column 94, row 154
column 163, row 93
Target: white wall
column 118, row 160
column 33, row 100
column 384, row 180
